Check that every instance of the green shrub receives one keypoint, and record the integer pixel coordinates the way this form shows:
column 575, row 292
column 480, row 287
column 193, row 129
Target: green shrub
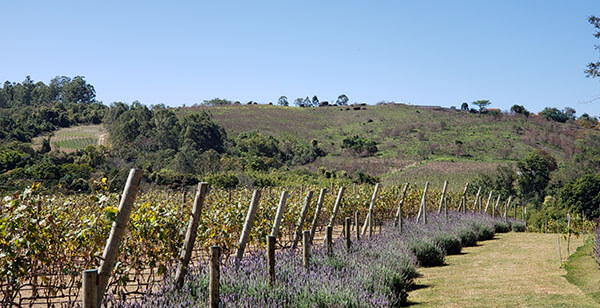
column 448, row 242
column 483, row 232
column 427, row 253
column 518, row 227
column 467, row 237
column 500, row 227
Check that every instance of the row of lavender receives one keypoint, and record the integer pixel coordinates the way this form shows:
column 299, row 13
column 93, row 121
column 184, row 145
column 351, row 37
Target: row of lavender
column 375, row 272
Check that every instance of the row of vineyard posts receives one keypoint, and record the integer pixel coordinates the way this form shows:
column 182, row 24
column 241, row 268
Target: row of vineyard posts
column 95, row 281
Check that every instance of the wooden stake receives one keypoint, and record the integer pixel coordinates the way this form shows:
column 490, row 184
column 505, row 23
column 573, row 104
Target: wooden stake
column 271, row 241
column 356, row 225
column 347, row 235
column 279, row 215
column 487, row 205
column 214, row 276
column 313, row 225
column 336, row 206
column 398, row 220
column 306, row 248
column 328, row 240
column 496, row 206
column 506, row 208
column 300, row 222
column 89, row 291
column 117, row 231
column 443, row 196
column 247, row 227
column 463, row 200
column 422, row 208
column 190, row 235
column 568, row 234
column 476, row 199
column 369, row 218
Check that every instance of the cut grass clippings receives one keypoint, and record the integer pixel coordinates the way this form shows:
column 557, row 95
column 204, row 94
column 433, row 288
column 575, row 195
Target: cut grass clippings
column 513, row 270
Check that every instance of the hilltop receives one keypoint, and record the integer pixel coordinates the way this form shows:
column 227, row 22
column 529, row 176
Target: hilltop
column 414, row 143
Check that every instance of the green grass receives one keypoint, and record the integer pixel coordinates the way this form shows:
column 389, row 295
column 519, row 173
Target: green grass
column 415, row 144
column 582, row 270
column 513, row 270
column 74, row 138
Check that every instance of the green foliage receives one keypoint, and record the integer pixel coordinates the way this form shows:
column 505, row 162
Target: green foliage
column 519, row 109
column 360, row 145
column 553, row 114
column 483, row 232
column 582, row 195
column 518, row 227
column 448, row 242
column 500, row 227
column 482, row 104
column 283, row 101
column 593, row 68
column 223, row 180
column 217, row 102
column 467, row 237
column 342, row 100
column 534, row 176
column 427, row 253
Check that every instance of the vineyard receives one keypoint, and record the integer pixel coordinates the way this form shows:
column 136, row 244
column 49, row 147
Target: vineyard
column 46, row 241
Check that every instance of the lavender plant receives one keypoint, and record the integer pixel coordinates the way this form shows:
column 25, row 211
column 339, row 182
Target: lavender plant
column 377, row 272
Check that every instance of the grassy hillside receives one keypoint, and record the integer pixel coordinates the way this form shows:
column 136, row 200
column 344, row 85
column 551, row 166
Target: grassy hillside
column 415, row 143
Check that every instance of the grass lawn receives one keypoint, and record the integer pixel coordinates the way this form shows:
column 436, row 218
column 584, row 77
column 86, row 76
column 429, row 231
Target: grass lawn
column 513, row 270
column 582, row 270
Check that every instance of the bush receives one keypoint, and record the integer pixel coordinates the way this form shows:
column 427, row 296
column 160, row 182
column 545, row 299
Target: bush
column 467, row 237
column 518, row 227
column 448, row 242
column 427, row 253
column 483, row 232
column 500, row 227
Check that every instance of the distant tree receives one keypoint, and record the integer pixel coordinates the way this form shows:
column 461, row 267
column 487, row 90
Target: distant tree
column 78, row 91
column 553, row 114
column 534, row 175
column 342, row 100
column 217, row 102
column 299, row 102
column 45, row 145
column 315, row 101
column 593, row 68
column 307, row 102
column 582, row 195
column 482, row 104
column 283, row 101
column 464, row 107
column 570, row 112
column 586, row 121
column 519, row 109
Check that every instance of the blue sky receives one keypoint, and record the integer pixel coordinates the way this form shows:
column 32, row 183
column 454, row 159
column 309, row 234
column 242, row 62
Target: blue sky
column 419, row 52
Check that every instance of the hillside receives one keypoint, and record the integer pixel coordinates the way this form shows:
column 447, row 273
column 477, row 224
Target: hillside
column 415, row 143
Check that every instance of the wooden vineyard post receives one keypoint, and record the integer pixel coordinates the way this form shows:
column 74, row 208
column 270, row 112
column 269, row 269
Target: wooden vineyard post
column 476, row 199
column 496, row 206
column 369, row 218
column 247, row 227
column 300, row 222
column 306, row 248
column 506, row 209
column 487, row 205
column 398, row 220
column 356, row 225
column 336, row 206
column 89, row 292
column 423, row 208
column 525, row 216
column 117, row 231
column 190, row 235
column 568, row 234
column 480, row 203
column 329, row 240
column 463, row 199
column 214, row 276
column 313, row 225
column 348, row 227
column 279, row 215
column 545, row 223
column 271, row 241
column 515, row 213
column 443, row 197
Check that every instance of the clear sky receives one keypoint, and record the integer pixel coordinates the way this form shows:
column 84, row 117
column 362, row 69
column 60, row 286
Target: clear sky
column 419, row 52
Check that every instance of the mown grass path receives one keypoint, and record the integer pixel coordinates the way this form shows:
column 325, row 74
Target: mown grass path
column 513, row 270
